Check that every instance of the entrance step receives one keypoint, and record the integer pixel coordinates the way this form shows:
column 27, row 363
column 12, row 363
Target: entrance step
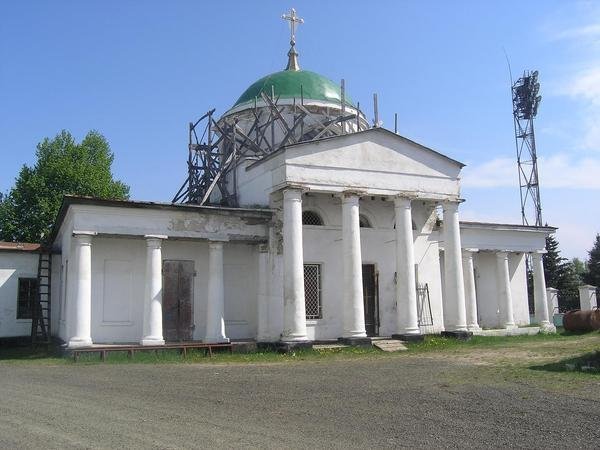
column 389, row 345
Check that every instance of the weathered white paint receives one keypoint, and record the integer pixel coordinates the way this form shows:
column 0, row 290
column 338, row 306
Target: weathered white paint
column 406, row 293
column 263, row 251
column 505, row 294
column 353, row 309
column 552, row 296
column 539, row 293
column 215, row 321
column 587, row 297
column 82, row 311
column 294, row 327
column 454, row 309
column 152, row 328
column 470, row 290
column 14, row 265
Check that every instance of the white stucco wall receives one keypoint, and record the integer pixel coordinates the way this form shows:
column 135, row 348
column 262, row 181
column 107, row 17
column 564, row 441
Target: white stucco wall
column 118, row 271
column 14, row 265
column 322, row 245
column 486, row 282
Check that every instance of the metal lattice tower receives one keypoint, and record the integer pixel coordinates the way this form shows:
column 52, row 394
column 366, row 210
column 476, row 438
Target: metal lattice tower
column 525, row 105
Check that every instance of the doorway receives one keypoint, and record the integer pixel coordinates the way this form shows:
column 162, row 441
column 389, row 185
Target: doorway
column 370, row 298
column 178, row 294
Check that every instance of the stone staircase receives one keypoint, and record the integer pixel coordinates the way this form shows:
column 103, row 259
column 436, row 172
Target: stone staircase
column 389, row 345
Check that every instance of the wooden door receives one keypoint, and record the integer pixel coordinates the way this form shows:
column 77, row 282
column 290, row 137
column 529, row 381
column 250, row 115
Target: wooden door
column 370, row 299
column 178, row 294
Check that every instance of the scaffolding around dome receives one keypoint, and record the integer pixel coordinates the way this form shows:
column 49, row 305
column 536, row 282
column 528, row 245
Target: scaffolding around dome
column 217, row 147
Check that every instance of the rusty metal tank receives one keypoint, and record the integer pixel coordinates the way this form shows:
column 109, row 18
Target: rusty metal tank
column 578, row 320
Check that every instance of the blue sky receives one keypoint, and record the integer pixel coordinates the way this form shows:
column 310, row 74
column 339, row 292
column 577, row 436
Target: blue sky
column 138, row 72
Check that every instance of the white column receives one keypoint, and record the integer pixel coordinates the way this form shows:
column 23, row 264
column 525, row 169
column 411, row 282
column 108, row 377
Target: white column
column 504, row 292
column 406, row 290
column 152, row 326
column 353, row 309
column 294, row 310
column 262, row 333
column 470, row 292
column 82, row 308
column 540, row 296
column 215, row 307
column 454, row 309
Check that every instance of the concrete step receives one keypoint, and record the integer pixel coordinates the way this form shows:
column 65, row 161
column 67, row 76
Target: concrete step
column 389, row 345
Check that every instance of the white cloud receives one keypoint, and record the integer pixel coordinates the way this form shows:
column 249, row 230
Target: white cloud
column 556, row 171
column 577, row 26
column 589, row 31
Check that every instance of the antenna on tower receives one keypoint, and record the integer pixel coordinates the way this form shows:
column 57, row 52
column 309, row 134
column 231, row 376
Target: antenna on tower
column 526, row 100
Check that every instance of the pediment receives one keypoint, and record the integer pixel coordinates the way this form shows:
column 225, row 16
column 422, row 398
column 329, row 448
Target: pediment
column 375, row 150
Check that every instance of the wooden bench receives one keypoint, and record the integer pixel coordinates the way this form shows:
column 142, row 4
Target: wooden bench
column 183, row 347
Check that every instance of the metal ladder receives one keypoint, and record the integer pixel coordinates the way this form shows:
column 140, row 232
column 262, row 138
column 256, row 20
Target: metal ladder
column 424, row 307
column 40, row 320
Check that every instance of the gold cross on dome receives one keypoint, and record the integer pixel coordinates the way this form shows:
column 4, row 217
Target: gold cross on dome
column 294, row 22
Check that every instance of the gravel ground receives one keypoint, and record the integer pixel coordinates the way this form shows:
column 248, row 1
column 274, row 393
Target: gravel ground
column 365, row 402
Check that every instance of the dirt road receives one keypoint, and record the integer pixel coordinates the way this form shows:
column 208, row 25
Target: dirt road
column 368, row 402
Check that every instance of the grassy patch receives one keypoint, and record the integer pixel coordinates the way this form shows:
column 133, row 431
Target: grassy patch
column 439, row 343
column 586, row 363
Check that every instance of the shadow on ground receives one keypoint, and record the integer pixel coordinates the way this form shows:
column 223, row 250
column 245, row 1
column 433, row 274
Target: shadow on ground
column 588, row 363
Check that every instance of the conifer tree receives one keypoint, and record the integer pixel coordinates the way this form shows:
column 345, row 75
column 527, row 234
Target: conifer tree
column 592, row 275
column 562, row 275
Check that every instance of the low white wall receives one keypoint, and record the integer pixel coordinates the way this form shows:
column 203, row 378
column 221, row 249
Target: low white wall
column 14, row 265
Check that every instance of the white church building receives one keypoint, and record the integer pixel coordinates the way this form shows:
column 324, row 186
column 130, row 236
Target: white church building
column 352, row 233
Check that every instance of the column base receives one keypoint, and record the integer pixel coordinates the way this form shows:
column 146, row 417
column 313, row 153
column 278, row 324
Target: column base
column 294, row 338
column 216, row 340
column 152, row 341
column 510, row 326
column 79, row 342
column 409, row 337
column 547, row 328
column 461, row 335
column 356, row 341
column 473, row 328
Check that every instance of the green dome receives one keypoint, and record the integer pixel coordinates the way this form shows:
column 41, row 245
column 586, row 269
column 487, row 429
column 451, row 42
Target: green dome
column 287, row 84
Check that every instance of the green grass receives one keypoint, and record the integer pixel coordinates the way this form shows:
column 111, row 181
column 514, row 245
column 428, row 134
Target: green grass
column 439, row 343
column 431, row 344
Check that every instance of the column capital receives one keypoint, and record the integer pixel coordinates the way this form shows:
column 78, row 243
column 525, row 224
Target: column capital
column 84, row 237
column 502, row 254
column 551, row 289
column 351, row 195
column 402, row 201
column 156, row 236
column 468, row 252
column 539, row 252
column 292, row 193
column 215, row 244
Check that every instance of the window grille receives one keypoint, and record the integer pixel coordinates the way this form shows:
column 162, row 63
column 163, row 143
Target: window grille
column 26, row 297
column 311, row 218
column 312, row 291
column 364, row 222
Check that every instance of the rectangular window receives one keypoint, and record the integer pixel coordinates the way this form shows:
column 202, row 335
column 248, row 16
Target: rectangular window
column 312, row 291
column 28, row 288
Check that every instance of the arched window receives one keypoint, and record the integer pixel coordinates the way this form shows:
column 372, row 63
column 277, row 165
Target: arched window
column 311, row 218
column 364, row 221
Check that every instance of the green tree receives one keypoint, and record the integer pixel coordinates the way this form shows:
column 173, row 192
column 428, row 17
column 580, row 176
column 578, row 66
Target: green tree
column 562, row 275
column 592, row 275
column 62, row 166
